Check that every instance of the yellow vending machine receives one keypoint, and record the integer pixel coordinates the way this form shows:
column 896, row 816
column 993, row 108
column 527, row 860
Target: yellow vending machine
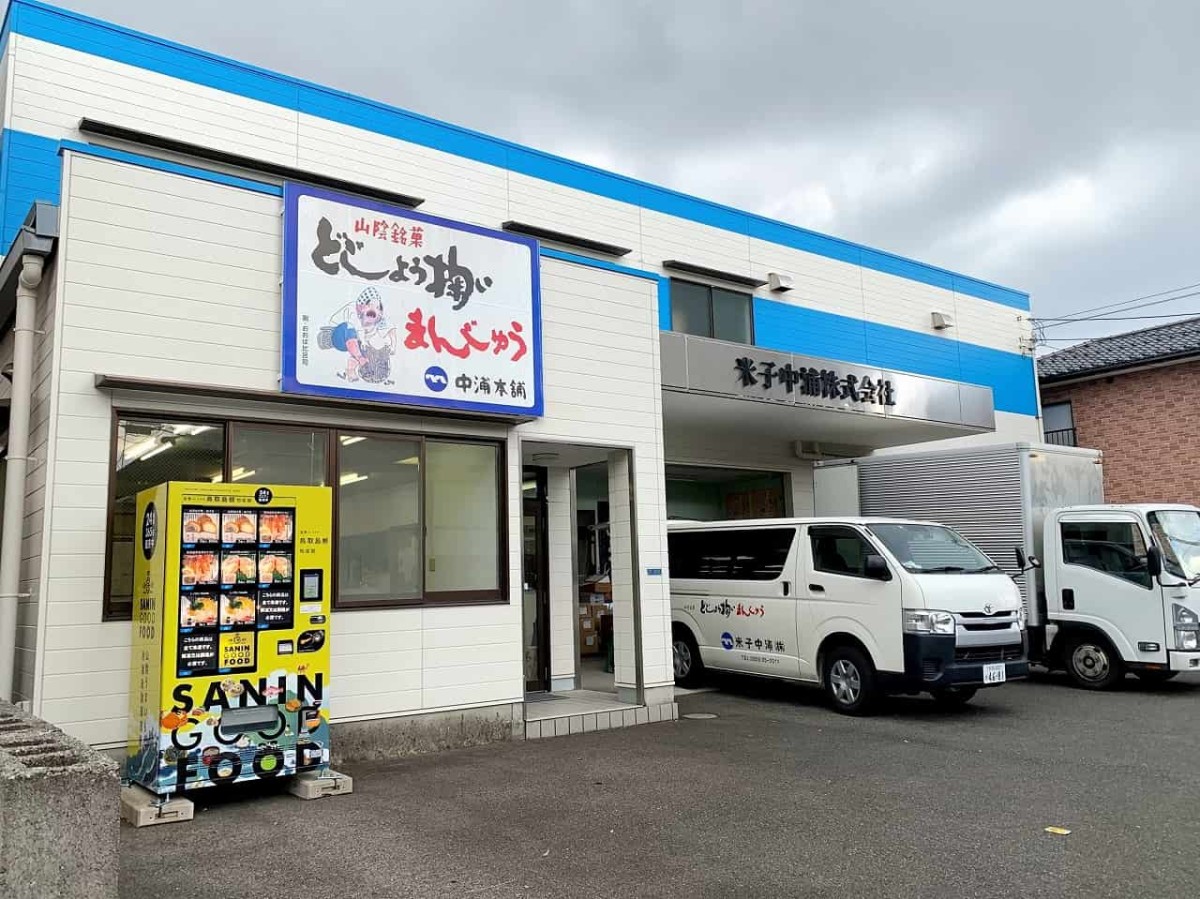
column 230, row 667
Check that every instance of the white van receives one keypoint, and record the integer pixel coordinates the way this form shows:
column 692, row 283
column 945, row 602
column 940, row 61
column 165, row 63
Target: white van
column 861, row 606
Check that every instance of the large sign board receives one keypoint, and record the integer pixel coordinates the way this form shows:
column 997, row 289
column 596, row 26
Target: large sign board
column 385, row 304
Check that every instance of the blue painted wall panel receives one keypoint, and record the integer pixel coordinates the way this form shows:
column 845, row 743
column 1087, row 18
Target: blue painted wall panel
column 1011, row 377
column 792, row 329
column 779, row 326
column 809, row 241
column 925, row 354
column 30, row 170
column 166, row 57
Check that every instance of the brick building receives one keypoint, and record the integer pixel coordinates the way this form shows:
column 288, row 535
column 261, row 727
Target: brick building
column 1133, row 396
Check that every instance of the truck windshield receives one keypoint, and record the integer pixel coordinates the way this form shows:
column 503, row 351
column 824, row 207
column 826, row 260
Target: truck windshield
column 932, row 549
column 1177, row 532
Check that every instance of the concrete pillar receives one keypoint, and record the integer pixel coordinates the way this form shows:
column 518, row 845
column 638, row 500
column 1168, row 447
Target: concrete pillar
column 626, row 629
column 560, row 537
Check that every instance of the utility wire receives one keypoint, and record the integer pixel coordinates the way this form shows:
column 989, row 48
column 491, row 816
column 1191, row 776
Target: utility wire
column 1121, row 318
column 1058, row 323
column 1079, row 339
column 1082, row 314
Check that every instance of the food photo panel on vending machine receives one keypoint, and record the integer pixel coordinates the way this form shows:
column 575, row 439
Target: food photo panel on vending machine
column 239, row 526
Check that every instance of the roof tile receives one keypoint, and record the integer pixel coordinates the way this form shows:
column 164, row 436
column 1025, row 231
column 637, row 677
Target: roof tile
column 1139, row 347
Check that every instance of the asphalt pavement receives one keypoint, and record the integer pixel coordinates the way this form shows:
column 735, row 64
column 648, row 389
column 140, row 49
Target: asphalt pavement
column 776, row 796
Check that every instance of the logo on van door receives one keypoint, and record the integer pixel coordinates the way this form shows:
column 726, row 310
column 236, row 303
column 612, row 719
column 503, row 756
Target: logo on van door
column 727, row 608
column 727, row 640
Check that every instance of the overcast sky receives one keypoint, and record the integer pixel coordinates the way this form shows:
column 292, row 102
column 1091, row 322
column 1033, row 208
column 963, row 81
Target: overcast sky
column 1049, row 146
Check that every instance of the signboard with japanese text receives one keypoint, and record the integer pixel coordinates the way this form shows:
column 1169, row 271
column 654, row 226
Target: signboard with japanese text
column 702, row 365
column 385, row 304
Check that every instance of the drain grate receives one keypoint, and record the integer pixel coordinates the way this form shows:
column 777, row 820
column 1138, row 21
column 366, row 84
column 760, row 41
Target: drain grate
column 699, row 716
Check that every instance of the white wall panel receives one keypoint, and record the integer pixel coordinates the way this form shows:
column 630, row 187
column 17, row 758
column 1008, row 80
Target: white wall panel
column 574, row 212
column 667, row 237
column 451, row 186
column 54, row 87
column 826, row 285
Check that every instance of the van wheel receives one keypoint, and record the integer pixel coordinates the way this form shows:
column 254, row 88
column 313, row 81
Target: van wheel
column 954, row 697
column 685, row 657
column 1091, row 662
column 850, row 681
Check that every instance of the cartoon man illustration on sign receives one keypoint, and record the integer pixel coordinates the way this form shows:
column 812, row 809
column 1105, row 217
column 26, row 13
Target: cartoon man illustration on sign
column 362, row 331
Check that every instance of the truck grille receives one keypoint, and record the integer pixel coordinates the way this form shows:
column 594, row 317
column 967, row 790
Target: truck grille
column 989, row 653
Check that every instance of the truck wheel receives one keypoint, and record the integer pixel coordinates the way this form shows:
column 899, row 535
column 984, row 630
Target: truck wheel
column 1152, row 676
column 685, row 656
column 1092, row 664
column 954, row 697
column 850, row 681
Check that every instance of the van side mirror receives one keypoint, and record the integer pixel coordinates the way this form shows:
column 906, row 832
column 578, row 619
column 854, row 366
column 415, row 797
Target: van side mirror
column 875, row 568
column 1024, row 563
column 1154, row 562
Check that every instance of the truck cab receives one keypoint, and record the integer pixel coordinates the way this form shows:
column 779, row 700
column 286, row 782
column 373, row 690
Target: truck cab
column 1120, row 592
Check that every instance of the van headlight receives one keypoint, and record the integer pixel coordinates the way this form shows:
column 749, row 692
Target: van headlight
column 1187, row 628
column 928, row 621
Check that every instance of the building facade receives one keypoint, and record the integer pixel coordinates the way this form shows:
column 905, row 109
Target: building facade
column 676, row 358
column 1129, row 395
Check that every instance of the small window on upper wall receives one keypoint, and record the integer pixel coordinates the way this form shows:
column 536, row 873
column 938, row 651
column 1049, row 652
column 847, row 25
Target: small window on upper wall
column 711, row 312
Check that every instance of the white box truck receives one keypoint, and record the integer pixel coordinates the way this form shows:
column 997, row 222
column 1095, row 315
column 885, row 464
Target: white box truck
column 1117, row 588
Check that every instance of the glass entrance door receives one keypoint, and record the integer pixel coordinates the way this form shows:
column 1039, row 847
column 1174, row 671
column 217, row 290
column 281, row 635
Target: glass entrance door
column 535, row 580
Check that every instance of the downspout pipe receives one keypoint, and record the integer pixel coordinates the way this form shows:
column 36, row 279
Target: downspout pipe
column 12, row 526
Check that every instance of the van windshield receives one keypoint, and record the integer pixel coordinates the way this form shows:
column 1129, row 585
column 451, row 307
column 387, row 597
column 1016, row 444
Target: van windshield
column 1177, row 531
column 932, row 549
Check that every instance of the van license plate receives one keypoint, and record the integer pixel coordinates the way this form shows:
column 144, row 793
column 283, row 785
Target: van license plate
column 993, row 674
